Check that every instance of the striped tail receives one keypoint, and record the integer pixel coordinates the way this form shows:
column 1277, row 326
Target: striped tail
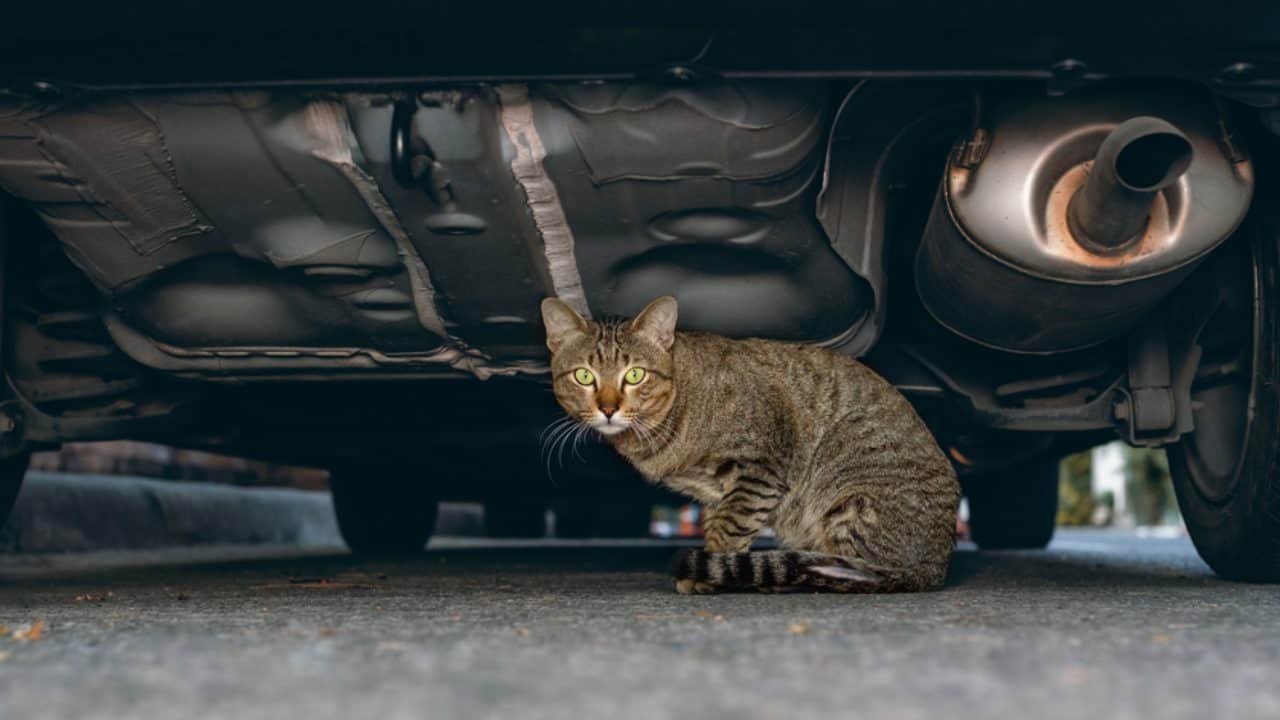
column 777, row 569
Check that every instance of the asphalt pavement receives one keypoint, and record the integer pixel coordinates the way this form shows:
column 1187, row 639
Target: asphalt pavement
column 1101, row 625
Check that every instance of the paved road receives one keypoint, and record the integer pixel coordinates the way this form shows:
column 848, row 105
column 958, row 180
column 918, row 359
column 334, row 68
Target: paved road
column 1100, row 626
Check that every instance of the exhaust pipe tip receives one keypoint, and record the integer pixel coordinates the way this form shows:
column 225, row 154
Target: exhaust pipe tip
column 1141, row 157
column 1152, row 160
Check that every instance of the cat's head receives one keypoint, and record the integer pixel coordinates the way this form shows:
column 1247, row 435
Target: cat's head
column 614, row 376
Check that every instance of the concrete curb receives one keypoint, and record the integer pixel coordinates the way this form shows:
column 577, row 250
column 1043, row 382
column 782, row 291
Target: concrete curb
column 71, row 512
column 63, row 512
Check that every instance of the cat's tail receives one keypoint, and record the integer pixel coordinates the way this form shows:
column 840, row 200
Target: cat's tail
column 792, row 569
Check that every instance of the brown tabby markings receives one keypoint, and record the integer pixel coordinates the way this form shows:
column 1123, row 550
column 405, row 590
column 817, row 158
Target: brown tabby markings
column 760, row 433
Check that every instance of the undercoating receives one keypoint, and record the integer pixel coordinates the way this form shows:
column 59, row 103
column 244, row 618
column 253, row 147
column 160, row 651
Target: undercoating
column 259, row 233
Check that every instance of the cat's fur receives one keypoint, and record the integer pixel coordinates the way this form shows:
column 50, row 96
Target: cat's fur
column 763, row 433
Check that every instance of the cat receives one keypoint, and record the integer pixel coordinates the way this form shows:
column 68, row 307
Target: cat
column 765, row 433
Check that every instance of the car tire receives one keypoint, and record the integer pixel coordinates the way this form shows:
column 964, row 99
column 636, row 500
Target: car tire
column 515, row 519
column 1226, row 472
column 12, row 471
column 1013, row 508
column 382, row 511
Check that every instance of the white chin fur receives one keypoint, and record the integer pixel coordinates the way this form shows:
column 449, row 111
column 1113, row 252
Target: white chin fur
column 608, row 429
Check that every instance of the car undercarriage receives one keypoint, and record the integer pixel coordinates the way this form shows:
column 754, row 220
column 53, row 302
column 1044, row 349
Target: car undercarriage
column 324, row 263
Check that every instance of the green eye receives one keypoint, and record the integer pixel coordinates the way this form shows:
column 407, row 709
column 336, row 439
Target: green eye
column 584, row 376
column 634, row 376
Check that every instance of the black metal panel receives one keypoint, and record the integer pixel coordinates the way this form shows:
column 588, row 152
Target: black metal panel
column 225, row 301
column 274, row 224
column 254, row 164
column 482, row 249
column 98, row 175
column 705, row 191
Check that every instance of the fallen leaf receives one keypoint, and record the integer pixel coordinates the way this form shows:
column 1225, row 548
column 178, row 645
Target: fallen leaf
column 718, row 618
column 1160, row 639
column 522, row 631
column 4, row 629
column 703, row 614
column 30, row 633
column 5, row 655
column 798, row 628
column 92, row 597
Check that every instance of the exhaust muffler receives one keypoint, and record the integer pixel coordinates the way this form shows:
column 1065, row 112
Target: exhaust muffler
column 1077, row 216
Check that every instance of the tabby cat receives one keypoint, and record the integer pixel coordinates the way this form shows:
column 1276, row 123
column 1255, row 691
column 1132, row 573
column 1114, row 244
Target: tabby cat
column 764, row 433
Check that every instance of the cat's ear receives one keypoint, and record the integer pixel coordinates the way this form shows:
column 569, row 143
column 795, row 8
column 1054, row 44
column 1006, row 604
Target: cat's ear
column 563, row 323
column 657, row 322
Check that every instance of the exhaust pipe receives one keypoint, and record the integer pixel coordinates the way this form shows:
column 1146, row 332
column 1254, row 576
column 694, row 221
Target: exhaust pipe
column 1138, row 159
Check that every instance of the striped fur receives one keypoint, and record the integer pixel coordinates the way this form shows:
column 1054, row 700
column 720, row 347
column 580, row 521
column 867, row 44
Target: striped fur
column 782, row 570
column 766, row 434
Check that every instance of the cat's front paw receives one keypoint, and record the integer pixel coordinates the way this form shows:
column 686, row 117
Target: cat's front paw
column 695, row 587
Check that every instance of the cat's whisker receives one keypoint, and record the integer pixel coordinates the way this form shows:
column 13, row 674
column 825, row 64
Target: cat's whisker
column 554, row 437
column 568, row 442
column 573, row 441
column 546, row 452
column 643, row 432
column 584, row 436
column 554, row 425
column 651, row 434
column 564, row 440
column 549, row 432
column 548, row 436
column 662, row 432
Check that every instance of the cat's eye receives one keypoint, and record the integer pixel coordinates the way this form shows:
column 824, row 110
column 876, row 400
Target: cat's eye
column 634, row 376
column 584, row 376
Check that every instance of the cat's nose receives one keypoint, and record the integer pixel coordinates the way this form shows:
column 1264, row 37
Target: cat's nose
column 608, row 411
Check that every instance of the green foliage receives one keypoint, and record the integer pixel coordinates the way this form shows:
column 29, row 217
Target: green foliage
column 1075, row 489
column 1149, row 487
column 1148, row 490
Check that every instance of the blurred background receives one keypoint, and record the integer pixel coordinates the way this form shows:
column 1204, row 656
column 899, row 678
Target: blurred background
column 93, row 496
column 1115, row 485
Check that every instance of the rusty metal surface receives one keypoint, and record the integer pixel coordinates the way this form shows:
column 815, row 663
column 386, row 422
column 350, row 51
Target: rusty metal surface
column 1060, row 243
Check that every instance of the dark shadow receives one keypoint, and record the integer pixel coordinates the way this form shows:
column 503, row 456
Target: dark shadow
column 1040, row 569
